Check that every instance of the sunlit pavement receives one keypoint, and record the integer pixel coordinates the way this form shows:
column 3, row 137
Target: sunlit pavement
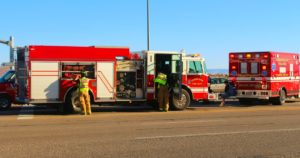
column 240, row 131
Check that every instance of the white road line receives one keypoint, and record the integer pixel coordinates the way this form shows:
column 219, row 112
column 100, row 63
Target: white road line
column 26, row 112
column 182, row 121
column 221, row 133
column 194, row 121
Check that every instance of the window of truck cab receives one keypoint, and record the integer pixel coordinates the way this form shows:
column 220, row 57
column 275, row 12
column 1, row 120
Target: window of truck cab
column 204, row 67
column 195, row 67
column 254, row 68
column 244, row 68
column 9, row 76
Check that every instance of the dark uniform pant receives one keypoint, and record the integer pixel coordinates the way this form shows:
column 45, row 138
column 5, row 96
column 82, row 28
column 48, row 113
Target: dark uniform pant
column 84, row 98
column 163, row 98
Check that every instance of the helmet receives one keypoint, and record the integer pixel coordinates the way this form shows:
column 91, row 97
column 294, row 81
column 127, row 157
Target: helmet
column 162, row 76
column 83, row 73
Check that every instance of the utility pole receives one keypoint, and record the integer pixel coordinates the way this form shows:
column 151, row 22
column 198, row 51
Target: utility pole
column 148, row 26
column 11, row 51
column 10, row 43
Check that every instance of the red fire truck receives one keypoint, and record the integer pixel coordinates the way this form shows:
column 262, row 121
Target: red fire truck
column 44, row 75
column 269, row 76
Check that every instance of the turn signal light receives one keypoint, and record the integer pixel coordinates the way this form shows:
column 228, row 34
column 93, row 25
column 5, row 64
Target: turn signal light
column 248, row 55
column 231, row 55
column 233, row 67
column 264, row 67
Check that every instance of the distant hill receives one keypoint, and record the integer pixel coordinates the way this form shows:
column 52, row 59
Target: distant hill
column 218, row 71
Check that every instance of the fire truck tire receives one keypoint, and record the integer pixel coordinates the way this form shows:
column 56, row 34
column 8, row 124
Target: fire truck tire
column 281, row 99
column 5, row 103
column 183, row 103
column 72, row 103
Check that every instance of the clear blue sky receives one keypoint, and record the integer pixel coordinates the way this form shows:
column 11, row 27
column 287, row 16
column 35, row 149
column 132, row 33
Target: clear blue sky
column 210, row 27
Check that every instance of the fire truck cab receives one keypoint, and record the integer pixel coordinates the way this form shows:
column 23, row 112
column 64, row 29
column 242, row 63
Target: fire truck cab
column 187, row 77
column 272, row 76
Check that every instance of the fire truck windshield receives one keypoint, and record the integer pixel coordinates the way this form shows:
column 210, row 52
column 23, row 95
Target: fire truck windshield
column 7, row 77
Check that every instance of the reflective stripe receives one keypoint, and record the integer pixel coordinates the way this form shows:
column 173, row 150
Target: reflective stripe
column 197, row 90
column 267, row 78
column 150, row 90
column 160, row 81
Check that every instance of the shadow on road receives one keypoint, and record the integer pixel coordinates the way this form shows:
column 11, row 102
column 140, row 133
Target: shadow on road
column 53, row 110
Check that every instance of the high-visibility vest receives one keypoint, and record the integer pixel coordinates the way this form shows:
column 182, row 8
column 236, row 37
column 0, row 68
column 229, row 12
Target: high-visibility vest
column 84, row 84
column 161, row 79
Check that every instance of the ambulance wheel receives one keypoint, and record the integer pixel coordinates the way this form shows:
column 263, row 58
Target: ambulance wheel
column 281, row 99
column 5, row 103
column 183, row 103
column 72, row 104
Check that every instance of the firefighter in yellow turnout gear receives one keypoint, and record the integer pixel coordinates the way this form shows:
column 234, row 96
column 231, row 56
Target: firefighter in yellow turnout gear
column 84, row 96
column 163, row 93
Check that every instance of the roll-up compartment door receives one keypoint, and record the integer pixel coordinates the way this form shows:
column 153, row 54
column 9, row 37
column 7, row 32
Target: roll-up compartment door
column 44, row 80
column 105, row 80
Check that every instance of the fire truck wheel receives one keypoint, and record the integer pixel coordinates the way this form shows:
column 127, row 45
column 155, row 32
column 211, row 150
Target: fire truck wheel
column 72, row 104
column 281, row 99
column 182, row 104
column 5, row 103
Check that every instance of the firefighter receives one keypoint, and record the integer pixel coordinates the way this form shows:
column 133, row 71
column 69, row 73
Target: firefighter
column 229, row 91
column 163, row 93
column 84, row 97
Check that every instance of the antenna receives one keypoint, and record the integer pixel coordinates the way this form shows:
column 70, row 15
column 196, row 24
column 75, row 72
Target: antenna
column 148, row 26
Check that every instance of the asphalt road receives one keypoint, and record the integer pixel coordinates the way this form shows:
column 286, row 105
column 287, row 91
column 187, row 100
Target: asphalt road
column 262, row 131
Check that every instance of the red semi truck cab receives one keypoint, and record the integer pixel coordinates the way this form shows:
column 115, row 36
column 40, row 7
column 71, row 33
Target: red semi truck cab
column 272, row 76
column 7, row 89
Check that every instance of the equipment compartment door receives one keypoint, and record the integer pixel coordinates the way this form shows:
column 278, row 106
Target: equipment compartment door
column 105, row 80
column 44, row 80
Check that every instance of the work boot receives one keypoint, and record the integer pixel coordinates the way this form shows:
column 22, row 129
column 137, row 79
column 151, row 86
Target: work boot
column 84, row 112
column 222, row 104
column 89, row 111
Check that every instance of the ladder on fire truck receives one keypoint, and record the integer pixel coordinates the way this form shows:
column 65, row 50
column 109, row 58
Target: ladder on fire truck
column 22, row 74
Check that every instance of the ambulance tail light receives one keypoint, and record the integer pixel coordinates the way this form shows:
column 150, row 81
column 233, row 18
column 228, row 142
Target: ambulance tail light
column 264, row 71
column 233, row 69
column 265, row 55
column 231, row 56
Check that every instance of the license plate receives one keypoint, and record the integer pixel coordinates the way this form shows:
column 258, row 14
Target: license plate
column 248, row 93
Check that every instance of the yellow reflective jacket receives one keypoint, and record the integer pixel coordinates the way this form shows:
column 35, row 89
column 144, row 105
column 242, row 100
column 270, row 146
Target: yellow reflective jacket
column 83, row 84
column 161, row 79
